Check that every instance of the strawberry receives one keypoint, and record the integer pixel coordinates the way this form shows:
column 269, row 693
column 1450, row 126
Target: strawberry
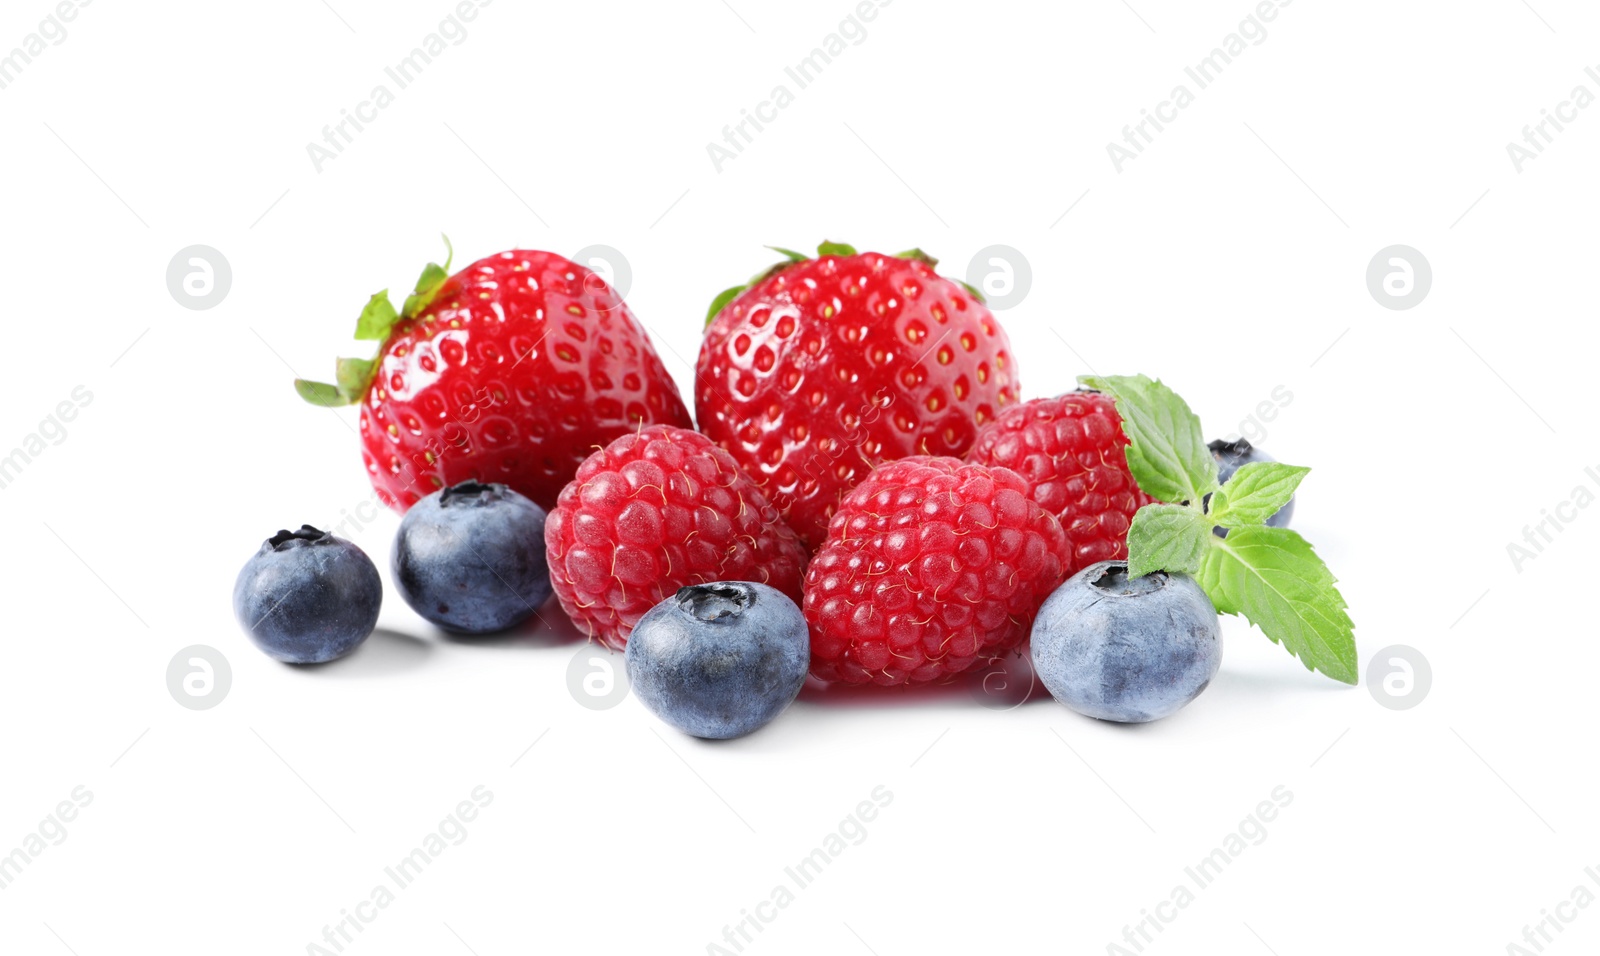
column 1072, row 452
column 656, row 511
column 931, row 565
column 821, row 368
column 512, row 371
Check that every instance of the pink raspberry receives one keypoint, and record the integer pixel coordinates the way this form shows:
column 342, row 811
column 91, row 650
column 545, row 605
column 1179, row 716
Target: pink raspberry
column 656, row 511
column 1070, row 450
column 930, row 566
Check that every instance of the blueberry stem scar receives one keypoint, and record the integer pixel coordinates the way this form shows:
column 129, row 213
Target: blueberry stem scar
column 714, row 602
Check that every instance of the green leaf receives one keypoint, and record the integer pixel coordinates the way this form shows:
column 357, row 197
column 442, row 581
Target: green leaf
column 1274, row 578
column 722, row 299
column 353, row 376
column 920, row 256
column 835, row 249
column 433, row 276
column 789, row 254
column 1167, row 538
column 1167, row 453
column 1255, row 493
column 320, row 393
column 377, row 318
column 973, row 291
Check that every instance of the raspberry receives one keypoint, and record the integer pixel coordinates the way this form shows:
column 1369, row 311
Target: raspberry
column 931, row 565
column 656, row 511
column 1070, row 450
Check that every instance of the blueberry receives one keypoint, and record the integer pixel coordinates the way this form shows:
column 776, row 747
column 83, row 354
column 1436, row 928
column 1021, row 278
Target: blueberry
column 307, row 597
column 719, row 660
column 470, row 558
column 1233, row 455
column 1126, row 649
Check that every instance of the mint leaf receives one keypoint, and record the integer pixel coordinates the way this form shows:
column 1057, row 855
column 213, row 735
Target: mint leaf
column 1167, row 538
column 722, row 299
column 1255, row 493
column 1167, row 453
column 377, row 318
column 1274, row 578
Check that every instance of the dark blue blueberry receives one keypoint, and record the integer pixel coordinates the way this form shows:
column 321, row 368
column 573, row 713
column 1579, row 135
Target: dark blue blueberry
column 1233, row 455
column 307, row 597
column 1126, row 649
column 719, row 660
column 471, row 559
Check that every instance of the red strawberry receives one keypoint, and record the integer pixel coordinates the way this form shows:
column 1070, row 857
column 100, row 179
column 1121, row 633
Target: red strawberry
column 1070, row 450
column 656, row 511
column 512, row 370
column 931, row 566
column 824, row 367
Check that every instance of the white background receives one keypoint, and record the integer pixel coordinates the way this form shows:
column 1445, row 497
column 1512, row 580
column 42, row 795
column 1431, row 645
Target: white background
column 1228, row 259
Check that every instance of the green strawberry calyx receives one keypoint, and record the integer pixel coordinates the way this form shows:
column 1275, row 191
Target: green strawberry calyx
column 353, row 376
column 825, row 248
column 1271, row 576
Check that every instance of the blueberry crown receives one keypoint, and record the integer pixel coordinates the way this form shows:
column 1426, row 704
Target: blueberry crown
column 1114, row 580
column 471, row 492
column 1231, row 449
column 284, row 540
column 715, row 602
